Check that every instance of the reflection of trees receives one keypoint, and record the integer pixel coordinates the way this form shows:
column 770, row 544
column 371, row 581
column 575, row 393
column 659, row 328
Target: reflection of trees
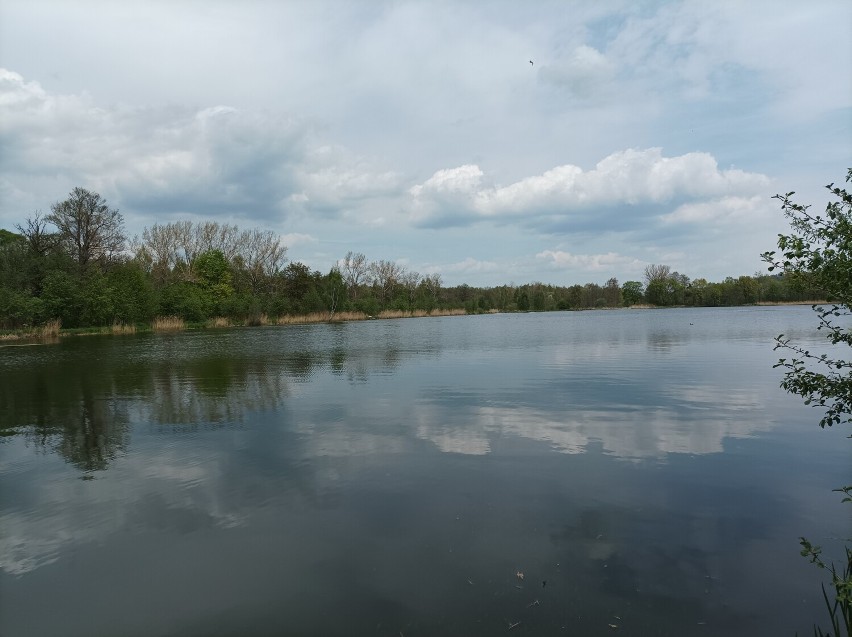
column 67, row 411
column 91, row 438
column 337, row 360
column 665, row 339
column 301, row 364
column 211, row 392
column 81, row 398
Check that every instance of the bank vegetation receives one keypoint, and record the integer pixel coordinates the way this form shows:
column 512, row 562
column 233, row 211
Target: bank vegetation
column 76, row 268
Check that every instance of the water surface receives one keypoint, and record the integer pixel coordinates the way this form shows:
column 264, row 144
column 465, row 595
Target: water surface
column 641, row 469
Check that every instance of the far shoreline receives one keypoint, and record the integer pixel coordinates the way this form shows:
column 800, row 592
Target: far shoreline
column 51, row 332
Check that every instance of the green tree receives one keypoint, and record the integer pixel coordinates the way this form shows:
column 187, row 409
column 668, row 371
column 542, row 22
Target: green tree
column 63, row 298
column 298, row 281
column 538, row 298
column 184, row 299
column 132, row 295
column 214, row 276
column 14, row 261
column 19, row 309
column 631, row 292
column 428, row 292
column 334, row 290
column 659, row 285
column 97, row 299
column 8, row 237
column 658, row 292
column 749, row 289
column 612, row 293
column 819, row 252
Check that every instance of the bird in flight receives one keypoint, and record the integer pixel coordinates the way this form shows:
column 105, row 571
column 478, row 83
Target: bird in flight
column 531, row 62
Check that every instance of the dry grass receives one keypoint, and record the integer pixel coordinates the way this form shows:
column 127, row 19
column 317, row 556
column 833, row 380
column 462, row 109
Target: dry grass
column 49, row 329
column 168, row 324
column 123, row 328
column 47, row 332
column 396, row 314
column 314, row 317
column 325, row 317
column 257, row 320
column 320, row 317
column 348, row 316
column 792, row 303
column 219, row 321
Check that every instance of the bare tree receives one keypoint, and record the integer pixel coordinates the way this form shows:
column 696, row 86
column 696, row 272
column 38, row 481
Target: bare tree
column 410, row 281
column 186, row 246
column 262, row 255
column 432, row 284
column 38, row 239
column 225, row 238
column 177, row 245
column 159, row 249
column 89, row 229
column 385, row 275
column 354, row 271
column 654, row 272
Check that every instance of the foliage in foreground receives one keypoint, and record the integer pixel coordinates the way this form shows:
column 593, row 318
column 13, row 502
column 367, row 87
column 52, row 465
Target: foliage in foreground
column 840, row 607
column 819, row 250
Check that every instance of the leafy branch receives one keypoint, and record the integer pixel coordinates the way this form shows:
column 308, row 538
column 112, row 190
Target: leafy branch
column 819, row 251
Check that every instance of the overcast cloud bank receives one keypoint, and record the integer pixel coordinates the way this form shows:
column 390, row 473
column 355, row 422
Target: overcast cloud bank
column 566, row 144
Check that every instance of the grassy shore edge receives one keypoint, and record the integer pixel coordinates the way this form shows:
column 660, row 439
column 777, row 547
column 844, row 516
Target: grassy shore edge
column 164, row 324
column 52, row 330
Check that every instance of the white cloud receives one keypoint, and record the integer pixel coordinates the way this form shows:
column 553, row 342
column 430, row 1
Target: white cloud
column 171, row 160
column 215, row 161
column 433, row 117
column 18, row 94
column 297, row 238
column 727, row 210
column 466, row 266
column 608, row 262
column 628, row 178
column 334, row 177
column 585, row 73
column 450, row 182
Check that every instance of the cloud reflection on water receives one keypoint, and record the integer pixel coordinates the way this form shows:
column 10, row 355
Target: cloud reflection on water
column 699, row 424
column 301, row 403
column 250, row 472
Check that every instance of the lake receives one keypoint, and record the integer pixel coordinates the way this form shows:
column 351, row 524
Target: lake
column 632, row 472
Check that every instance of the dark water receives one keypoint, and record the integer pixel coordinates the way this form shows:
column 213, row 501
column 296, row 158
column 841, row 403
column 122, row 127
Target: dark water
column 640, row 468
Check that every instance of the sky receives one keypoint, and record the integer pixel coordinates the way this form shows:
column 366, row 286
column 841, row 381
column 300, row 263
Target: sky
column 488, row 142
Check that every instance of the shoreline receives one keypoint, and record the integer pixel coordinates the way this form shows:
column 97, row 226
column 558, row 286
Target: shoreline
column 52, row 332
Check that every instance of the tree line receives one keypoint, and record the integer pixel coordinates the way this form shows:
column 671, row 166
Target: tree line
column 76, row 264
